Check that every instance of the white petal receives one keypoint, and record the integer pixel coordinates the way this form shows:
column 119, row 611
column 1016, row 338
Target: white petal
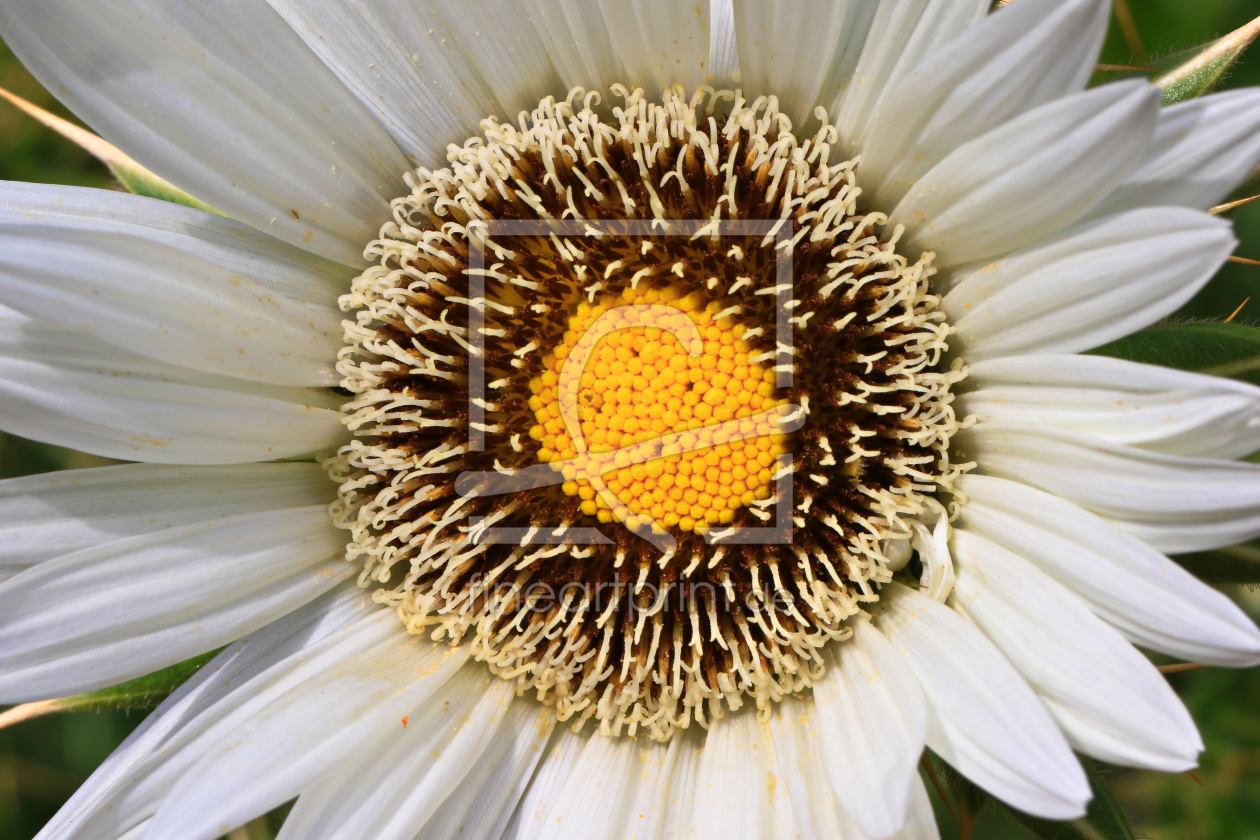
column 487, row 796
column 44, row 516
column 656, row 784
column 388, row 789
column 134, row 272
column 1154, row 602
column 558, row 762
column 651, row 44
column 872, row 722
column 143, row 603
column 680, row 796
column 663, row 788
column 1186, row 537
column 811, row 773
column 135, row 833
column 891, row 39
column 303, row 734
column 1087, row 285
column 800, row 51
column 938, row 99
column 608, row 790
column 660, row 42
column 921, row 823
column 1108, row 698
column 578, row 41
column 803, row 763
column 125, row 790
column 937, row 578
column 240, row 248
column 429, row 72
column 61, row 386
column 1202, row 150
column 1179, row 504
column 1029, row 177
column 985, row 719
column 723, row 47
column 1157, row 408
column 735, row 782
column 225, row 102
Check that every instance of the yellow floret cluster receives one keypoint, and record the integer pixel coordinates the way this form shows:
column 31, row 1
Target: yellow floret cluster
column 640, row 384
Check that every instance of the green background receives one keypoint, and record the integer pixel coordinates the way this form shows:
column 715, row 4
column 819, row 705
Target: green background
column 43, row 761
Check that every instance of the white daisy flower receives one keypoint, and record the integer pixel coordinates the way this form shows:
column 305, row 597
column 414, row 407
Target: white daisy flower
column 837, row 488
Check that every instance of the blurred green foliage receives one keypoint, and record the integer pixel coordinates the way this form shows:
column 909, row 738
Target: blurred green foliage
column 43, row 761
column 30, row 152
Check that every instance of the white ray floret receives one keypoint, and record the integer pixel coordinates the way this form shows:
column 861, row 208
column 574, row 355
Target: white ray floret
column 1029, row 494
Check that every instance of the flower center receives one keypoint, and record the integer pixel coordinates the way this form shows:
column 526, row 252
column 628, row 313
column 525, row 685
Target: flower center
column 643, row 401
column 639, row 384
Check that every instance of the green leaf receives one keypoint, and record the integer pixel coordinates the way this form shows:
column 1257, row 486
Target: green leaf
column 1212, row 347
column 966, row 800
column 143, row 693
column 969, row 799
column 1236, row 564
column 1197, row 71
column 140, row 181
column 133, row 177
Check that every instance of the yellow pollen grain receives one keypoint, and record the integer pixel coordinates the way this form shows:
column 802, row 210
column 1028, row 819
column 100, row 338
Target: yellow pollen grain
column 641, row 384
